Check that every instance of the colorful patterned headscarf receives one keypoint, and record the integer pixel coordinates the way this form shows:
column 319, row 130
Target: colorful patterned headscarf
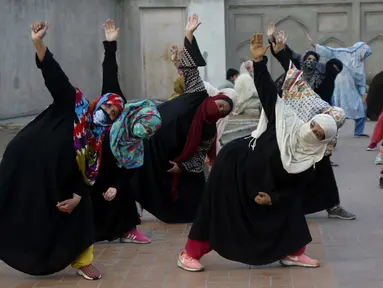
column 138, row 121
column 87, row 136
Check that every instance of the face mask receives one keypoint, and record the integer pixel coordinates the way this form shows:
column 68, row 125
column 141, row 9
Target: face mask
column 139, row 131
column 306, row 135
column 310, row 64
column 100, row 117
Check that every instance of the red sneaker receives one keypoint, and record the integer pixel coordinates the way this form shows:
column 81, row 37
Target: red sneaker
column 189, row 263
column 134, row 236
column 371, row 147
column 301, row 261
column 89, row 272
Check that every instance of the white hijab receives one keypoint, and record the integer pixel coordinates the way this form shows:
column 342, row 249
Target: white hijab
column 299, row 147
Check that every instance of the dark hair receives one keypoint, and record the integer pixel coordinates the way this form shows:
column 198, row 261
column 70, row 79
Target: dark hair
column 313, row 53
column 230, row 73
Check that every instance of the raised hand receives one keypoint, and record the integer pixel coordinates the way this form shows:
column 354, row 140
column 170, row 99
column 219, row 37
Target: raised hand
column 174, row 53
column 280, row 41
column 39, row 30
column 174, row 56
column 270, row 30
column 256, row 47
column 192, row 24
column 309, row 40
column 111, row 33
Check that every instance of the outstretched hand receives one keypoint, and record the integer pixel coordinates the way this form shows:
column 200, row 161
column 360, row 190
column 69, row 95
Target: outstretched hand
column 192, row 24
column 280, row 41
column 309, row 40
column 39, row 30
column 256, row 47
column 174, row 53
column 111, row 33
column 270, row 30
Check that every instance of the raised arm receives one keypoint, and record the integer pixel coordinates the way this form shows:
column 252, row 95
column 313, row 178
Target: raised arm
column 55, row 79
column 190, row 58
column 281, row 51
column 265, row 85
column 323, row 51
column 110, row 83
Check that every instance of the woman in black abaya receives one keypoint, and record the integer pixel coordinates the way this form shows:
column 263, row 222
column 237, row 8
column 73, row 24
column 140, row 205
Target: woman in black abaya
column 171, row 182
column 251, row 210
column 322, row 192
column 55, row 157
column 114, row 206
column 375, row 97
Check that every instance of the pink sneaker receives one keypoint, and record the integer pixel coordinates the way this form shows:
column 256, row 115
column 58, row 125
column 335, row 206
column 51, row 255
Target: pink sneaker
column 301, row 261
column 89, row 272
column 134, row 236
column 189, row 263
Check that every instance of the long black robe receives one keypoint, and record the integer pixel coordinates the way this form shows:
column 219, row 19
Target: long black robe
column 375, row 98
column 39, row 170
column 112, row 218
column 152, row 184
column 234, row 224
column 322, row 191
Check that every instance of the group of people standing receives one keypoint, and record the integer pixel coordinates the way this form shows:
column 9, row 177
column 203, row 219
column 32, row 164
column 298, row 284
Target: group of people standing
column 72, row 176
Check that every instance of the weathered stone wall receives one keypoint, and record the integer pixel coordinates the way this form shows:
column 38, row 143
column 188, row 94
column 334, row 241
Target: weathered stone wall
column 336, row 23
column 75, row 37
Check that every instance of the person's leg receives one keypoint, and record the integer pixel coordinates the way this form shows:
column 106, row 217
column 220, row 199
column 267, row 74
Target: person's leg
column 299, row 258
column 359, row 125
column 379, row 156
column 131, row 220
column 84, row 265
column 189, row 258
column 377, row 136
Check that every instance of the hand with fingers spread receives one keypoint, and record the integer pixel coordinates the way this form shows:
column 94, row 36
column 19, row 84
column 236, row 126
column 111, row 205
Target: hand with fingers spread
column 110, row 194
column 191, row 26
column 256, row 47
column 263, row 199
column 271, row 32
column 111, row 32
column 175, row 168
column 280, row 41
column 39, row 30
column 68, row 206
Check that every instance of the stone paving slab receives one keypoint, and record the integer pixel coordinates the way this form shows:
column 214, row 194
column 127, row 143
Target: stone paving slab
column 351, row 251
column 154, row 266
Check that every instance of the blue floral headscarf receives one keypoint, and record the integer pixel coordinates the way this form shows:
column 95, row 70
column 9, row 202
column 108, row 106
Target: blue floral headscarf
column 138, row 121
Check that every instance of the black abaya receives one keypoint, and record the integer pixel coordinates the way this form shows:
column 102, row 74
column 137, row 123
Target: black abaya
column 39, row 170
column 375, row 99
column 113, row 218
column 229, row 218
column 153, row 184
column 118, row 216
column 322, row 190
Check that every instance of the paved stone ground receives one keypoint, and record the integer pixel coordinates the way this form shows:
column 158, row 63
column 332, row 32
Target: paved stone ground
column 349, row 250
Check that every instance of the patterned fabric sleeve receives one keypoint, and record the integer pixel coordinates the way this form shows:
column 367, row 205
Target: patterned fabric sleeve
column 195, row 163
column 340, row 118
column 190, row 60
